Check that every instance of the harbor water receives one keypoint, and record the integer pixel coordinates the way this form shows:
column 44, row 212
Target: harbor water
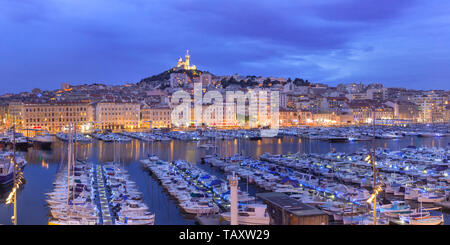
column 43, row 165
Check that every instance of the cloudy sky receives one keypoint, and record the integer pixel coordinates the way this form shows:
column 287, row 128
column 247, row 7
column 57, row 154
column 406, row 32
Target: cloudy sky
column 400, row 43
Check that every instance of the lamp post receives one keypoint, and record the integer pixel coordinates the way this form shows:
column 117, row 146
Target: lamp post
column 376, row 189
column 14, row 218
column 12, row 197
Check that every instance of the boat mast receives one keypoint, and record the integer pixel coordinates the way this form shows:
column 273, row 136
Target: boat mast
column 75, row 145
column 14, row 218
column 74, row 162
column 374, row 170
column 69, row 159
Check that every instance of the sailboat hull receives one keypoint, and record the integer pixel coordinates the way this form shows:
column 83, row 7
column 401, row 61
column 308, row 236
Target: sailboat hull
column 6, row 179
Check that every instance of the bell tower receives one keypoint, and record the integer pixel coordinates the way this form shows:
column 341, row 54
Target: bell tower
column 186, row 62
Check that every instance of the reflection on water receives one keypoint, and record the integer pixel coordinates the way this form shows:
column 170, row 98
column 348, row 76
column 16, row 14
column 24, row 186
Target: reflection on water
column 43, row 165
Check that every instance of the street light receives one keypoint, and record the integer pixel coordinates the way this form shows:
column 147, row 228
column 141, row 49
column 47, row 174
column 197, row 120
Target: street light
column 374, row 194
column 18, row 179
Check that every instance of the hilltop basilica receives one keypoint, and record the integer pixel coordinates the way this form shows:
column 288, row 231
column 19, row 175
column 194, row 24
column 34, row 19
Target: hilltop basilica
column 185, row 64
column 179, row 75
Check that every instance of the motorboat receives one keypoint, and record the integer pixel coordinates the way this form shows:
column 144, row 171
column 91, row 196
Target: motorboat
column 395, row 207
column 44, row 140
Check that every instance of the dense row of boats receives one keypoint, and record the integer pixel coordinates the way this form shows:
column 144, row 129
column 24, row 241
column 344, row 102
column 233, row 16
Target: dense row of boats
column 198, row 192
column 339, row 183
column 111, row 137
column 146, row 136
column 81, row 138
column 343, row 134
column 335, row 134
column 95, row 194
column 22, row 142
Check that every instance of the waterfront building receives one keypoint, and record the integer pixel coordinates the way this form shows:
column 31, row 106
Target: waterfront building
column 364, row 111
column 288, row 117
column 404, row 110
column 331, row 119
column 117, row 115
column 325, row 119
column 15, row 114
column 431, row 106
column 3, row 113
column 157, row 116
column 57, row 116
column 304, row 117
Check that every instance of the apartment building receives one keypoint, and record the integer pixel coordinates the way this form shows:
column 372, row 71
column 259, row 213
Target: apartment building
column 156, row 116
column 117, row 116
column 56, row 117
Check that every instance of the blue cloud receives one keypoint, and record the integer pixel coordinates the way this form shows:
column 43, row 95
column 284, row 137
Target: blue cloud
column 47, row 42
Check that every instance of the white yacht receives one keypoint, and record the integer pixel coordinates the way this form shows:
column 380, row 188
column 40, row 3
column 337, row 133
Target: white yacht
column 44, row 140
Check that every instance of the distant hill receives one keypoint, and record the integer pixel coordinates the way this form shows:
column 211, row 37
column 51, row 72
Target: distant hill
column 162, row 79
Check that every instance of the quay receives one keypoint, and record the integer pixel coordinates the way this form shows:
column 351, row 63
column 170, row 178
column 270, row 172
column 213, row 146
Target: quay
column 445, row 205
column 210, row 220
column 104, row 203
column 396, row 222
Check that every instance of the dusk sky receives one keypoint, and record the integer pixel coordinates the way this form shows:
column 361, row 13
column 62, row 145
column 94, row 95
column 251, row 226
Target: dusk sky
column 399, row 43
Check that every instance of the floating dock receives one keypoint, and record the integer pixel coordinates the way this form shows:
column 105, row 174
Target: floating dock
column 104, row 203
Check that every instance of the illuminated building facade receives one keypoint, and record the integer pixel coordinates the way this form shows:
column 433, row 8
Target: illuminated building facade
column 156, row 117
column 288, row 117
column 117, row 116
column 56, row 117
column 431, row 107
column 186, row 63
column 3, row 113
column 404, row 110
column 364, row 111
column 15, row 114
